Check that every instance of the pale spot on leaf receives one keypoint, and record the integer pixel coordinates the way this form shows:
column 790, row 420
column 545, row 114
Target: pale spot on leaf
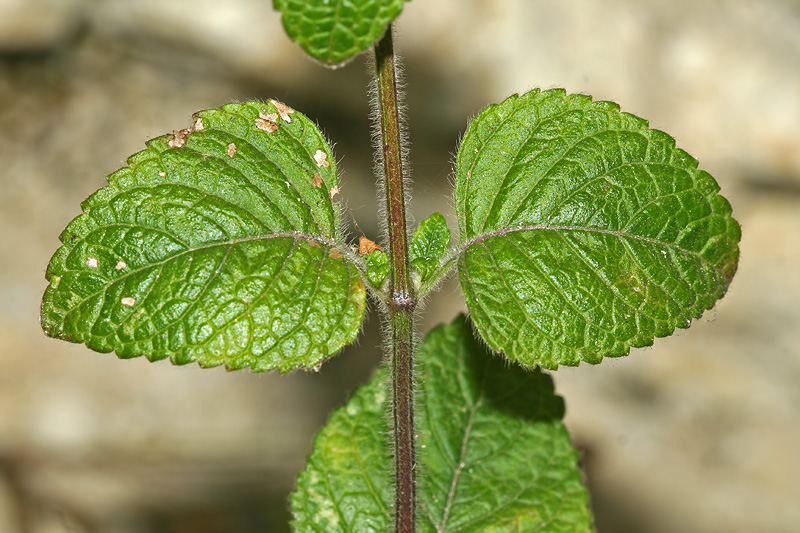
column 128, row 301
column 267, row 122
column 334, row 191
column 283, row 110
column 321, row 158
column 121, row 265
column 178, row 138
column 91, row 262
column 231, row 151
column 162, row 174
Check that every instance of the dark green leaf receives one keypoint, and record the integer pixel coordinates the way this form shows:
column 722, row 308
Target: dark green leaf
column 335, row 31
column 493, row 453
column 584, row 233
column 218, row 244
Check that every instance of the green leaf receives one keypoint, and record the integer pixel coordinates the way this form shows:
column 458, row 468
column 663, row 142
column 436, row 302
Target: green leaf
column 493, row 453
column 346, row 485
column 583, row 232
column 378, row 268
column 335, row 31
column 428, row 246
column 218, row 244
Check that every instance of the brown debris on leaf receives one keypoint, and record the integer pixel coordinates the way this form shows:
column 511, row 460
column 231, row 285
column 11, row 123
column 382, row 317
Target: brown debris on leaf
column 231, row 151
column 366, row 246
column 317, row 180
column 178, row 138
column 335, row 253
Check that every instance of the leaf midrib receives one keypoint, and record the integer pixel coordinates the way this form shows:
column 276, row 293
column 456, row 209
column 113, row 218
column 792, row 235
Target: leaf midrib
column 479, row 403
column 588, row 229
column 229, row 243
column 583, row 259
column 459, row 467
column 461, row 250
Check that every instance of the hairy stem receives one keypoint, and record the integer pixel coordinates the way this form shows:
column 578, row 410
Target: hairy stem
column 401, row 304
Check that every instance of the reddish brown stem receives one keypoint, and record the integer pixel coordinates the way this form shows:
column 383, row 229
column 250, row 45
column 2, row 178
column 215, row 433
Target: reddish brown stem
column 401, row 305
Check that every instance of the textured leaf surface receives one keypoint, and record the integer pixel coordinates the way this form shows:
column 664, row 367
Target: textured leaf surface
column 493, row 453
column 584, row 233
column 428, row 246
column 219, row 244
column 335, row 31
column 346, row 485
column 378, row 267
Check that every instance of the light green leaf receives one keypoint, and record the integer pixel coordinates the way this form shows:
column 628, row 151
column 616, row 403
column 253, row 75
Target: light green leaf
column 493, row 453
column 335, row 31
column 583, row 232
column 218, row 244
column 378, row 268
column 428, row 246
column 346, row 485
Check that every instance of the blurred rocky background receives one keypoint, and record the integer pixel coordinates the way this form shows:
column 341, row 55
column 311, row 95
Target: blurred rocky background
column 699, row 433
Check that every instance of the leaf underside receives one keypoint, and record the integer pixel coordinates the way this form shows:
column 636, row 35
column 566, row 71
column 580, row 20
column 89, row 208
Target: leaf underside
column 583, row 231
column 335, row 31
column 218, row 244
column 493, row 454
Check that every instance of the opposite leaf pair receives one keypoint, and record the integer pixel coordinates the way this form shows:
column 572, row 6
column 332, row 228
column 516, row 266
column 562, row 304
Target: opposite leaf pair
column 582, row 233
